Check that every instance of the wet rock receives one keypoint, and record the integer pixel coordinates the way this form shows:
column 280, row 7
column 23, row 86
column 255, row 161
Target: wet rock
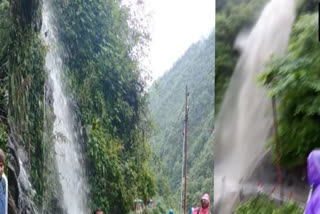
column 13, row 173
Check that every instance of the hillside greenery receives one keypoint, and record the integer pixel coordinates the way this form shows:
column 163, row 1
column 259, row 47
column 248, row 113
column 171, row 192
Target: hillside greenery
column 167, row 102
column 26, row 79
column 293, row 80
column 104, row 43
column 4, row 70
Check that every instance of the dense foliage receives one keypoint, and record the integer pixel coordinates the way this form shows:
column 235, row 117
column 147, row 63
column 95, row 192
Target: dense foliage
column 4, row 67
column 26, row 86
column 167, row 100
column 294, row 80
column 262, row 205
column 103, row 43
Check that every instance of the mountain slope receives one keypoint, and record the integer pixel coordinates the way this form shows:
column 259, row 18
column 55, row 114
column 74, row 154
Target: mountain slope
column 167, row 99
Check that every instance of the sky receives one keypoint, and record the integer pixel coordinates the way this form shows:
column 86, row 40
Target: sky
column 174, row 26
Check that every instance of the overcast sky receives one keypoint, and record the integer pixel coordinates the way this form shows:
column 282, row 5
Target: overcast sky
column 175, row 25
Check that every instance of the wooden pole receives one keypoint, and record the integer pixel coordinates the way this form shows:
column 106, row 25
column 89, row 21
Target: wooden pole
column 185, row 151
column 277, row 146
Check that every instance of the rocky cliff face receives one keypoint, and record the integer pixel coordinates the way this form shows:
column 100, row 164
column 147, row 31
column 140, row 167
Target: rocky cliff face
column 13, row 173
column 25, row 18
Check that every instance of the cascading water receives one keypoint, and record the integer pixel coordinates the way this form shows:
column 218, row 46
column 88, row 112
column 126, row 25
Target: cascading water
column 244, row 122
column 69, row 157
column 20, row 186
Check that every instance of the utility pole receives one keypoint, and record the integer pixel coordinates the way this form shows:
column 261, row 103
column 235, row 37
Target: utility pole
column 182, row 165
column 185, row 150
column 277, row 147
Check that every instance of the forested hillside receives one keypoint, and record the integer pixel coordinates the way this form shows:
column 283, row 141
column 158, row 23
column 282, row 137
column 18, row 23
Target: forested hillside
column 167, row 100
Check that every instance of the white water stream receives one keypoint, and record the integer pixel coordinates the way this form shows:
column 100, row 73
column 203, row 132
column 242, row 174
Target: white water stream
column 244, row 123
column 69, row 158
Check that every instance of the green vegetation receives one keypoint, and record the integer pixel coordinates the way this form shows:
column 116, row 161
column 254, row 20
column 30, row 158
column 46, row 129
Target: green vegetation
column 294, row 80
column 262, row 205
column 167, row 99
column 103, row 44
column 104, row 77
column 26, row 86
column 4, row 69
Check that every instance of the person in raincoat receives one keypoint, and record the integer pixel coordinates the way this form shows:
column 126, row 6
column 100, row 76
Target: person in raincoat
column 313, row 204
column 170, row 211
column 191, row 210
column 205, row 205
column 98, row 211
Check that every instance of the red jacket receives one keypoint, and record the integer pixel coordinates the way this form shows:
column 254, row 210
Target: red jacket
column 203, row 210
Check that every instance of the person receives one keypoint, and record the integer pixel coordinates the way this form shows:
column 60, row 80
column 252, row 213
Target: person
column 205, row 205
column 170, row 211
column 98, row 211
column 2, row 184
column 313, row 204
column 191, row 210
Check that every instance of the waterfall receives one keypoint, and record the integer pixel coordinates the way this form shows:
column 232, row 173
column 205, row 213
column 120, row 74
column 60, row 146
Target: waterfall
column 20, row 179
column 244, row 123
column 67, row 142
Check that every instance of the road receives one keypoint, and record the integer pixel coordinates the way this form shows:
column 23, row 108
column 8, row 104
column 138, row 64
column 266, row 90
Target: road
column 228, row 193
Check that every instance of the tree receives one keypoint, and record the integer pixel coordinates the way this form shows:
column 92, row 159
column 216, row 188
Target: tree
column 294, row 80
